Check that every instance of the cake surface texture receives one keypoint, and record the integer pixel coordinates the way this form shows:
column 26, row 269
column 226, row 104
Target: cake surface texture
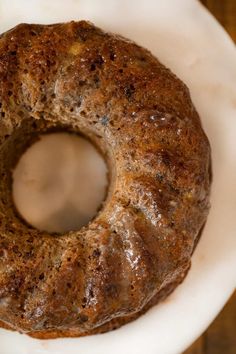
column 77, row 78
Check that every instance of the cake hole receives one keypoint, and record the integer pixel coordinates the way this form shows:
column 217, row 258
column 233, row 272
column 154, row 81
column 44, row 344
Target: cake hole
column 59, row 183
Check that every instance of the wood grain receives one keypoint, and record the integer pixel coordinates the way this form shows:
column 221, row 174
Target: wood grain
column 220, row 337
column 225, row 12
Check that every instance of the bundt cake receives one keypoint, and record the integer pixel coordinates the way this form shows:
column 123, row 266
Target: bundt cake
column 77, row 78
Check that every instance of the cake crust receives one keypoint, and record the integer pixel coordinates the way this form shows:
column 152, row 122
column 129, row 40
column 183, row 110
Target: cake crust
column 75, row 77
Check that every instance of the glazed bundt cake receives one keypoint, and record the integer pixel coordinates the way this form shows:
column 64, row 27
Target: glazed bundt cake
column 74, row 77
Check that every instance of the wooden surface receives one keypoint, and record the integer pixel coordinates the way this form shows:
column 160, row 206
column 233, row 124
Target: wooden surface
column 220, row 337
column 225, row 12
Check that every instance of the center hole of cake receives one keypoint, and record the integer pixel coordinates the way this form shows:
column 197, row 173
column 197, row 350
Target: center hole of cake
column 59, row 183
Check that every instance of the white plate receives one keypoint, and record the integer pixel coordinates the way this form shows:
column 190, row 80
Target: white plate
column 189, row 41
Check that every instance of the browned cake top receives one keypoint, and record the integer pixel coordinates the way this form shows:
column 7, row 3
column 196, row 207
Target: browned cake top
column 77, row 78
